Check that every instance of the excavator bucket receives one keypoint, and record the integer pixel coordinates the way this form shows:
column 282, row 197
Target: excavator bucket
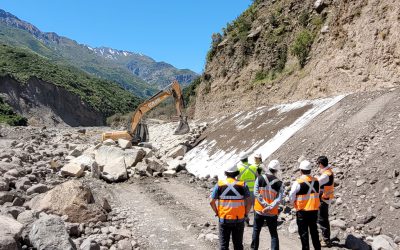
column 141, row 134
column 183, row 127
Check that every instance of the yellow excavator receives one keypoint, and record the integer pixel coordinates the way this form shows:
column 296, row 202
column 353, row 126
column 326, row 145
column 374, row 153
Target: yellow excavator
column 137, row 131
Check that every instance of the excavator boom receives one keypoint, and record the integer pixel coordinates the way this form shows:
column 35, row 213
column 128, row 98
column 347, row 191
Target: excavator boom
column 137, row 132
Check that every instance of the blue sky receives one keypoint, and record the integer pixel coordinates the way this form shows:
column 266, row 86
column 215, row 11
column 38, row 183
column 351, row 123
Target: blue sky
column 174, row 31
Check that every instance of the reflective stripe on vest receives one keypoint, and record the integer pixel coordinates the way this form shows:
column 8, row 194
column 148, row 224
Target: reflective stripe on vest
column 268, row 195
column 248, row 174
column 328, row 191
column 309, row 201
column 231, row 207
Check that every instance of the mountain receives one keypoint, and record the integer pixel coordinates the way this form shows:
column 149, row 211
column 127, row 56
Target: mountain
column 134, row 72
column 278, row 51
column 158, row 74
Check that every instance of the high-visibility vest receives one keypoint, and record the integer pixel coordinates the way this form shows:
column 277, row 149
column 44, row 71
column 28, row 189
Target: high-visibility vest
column 231, row 204
column 248, row 174
column 328, row 188
column 268, row 187
column 307, row 199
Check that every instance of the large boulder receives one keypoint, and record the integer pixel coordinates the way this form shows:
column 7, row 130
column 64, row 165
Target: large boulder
column 10, row 231
column 71, row 198
column 383, row 242
column 86, row 160
column 115, row 161
column 38, row 188
column 156, row 165
column 178, row 151
column 4, row 185
column 49, row 233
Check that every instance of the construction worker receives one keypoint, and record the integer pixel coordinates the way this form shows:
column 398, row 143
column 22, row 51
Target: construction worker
column 257, row 162
column 304, row 195
column 326, row 195
column 247, row 173
column 268, row 192
column 233, row 198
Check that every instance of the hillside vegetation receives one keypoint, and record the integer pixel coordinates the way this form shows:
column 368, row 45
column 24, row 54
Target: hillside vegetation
column 287, row 50
column 103, row 96
column 7, row 115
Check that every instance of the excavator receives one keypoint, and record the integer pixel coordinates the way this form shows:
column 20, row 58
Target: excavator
column 138, row 131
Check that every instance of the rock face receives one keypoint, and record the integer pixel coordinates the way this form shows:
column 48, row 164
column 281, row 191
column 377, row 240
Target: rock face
column 49, row 233
column 45, row 103
column 72, row 199
column 10, row 230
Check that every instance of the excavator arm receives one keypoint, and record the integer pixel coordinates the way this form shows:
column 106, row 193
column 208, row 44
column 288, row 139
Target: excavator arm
column 136, row 132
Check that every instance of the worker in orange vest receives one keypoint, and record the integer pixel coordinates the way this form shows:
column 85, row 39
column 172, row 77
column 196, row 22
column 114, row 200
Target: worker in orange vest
column 304, row 195
column 268, row 191
column 230, row 201
column 326, row 183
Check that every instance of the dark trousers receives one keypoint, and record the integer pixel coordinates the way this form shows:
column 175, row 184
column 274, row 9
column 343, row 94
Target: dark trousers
column 272, row 223
column 225, row 231
column 307, row 220
column 323, row 221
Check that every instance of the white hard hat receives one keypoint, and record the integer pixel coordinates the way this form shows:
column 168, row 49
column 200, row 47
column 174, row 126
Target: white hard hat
column 274, row 165
column 257, row 156
column 232, row 169
column 305, row 165
column 243, row 156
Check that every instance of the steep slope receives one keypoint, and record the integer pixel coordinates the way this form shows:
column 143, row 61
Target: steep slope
column 144, row 79
column 287, row 50
column 37, row 88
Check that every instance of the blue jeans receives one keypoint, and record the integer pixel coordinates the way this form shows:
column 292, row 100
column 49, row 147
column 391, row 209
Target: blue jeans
column 272, row 223
column 225, row 231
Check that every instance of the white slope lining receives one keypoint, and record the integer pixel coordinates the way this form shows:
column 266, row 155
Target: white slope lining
column 201, row 163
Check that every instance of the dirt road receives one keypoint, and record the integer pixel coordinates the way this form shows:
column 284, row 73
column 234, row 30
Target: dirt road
column 171, row 214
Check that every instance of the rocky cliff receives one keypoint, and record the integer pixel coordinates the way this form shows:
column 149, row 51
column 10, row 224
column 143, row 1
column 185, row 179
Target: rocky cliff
column 45, row 103
column 280, row 51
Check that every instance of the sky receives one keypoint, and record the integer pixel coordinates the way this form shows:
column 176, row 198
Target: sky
column 174, row 31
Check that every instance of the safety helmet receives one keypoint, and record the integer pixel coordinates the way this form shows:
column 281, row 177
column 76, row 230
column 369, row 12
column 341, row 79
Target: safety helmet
column 232, row 169
column 305, row 165
column 243, row 156
column 274, row 165
column 257, row 156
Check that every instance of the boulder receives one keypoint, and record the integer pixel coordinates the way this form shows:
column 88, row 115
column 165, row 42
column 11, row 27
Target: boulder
column 86, row 160
column 71, row 198
column 125, row 244
column 23, row 184
column 338, row 224
column 143, row 169
column 38, row 188
column 109, row 142
column 89, row 244
column 169, row 173
column 6, row 197
column 156, row 165
column 383, row 242
column 177, row 165
column 4, row 185
column 115, row 170
column 178, row 151
column 10, row 231
column 73, row 169
column 26, row 217
column 6, row 166
column 49, row 233
column 124, row 144
column 356, row 242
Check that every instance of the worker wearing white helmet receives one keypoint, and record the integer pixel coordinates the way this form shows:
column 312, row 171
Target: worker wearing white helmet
column 230, row 201
column 304, row 195
column 268, row 193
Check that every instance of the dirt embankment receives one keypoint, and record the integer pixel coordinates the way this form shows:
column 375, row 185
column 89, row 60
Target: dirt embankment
column 355, row 49
column 48, row 104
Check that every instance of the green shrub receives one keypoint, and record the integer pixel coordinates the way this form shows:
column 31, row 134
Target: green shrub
column 7, row 115
column 301, row 46
column 304, row 18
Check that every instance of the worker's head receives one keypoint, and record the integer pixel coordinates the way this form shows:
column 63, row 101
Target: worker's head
column 257, row 159
column 305, row 167
column 322, row 161
column 232, row 172
column 274, row 166
column 243, row 157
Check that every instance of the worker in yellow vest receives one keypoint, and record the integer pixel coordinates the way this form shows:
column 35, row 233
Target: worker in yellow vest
column 247, row 173
column 326, row 183
column 268, row 192
column 230, row 201
column 304, row 195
